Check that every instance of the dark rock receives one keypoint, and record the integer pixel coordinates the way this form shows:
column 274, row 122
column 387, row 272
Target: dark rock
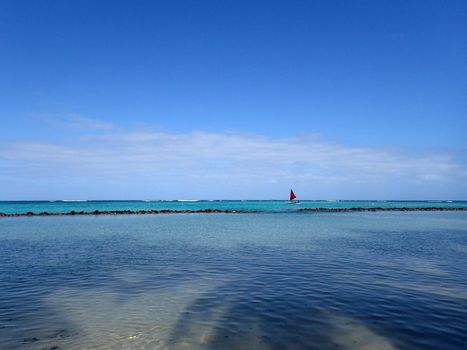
column 211, row 211
column 30, row 340
column 376, row 209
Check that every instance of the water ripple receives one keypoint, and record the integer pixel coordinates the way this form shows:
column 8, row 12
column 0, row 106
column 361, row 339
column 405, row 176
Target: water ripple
column 356, row 281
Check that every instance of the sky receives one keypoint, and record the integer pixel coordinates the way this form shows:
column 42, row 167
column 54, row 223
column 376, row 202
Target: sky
column 233, row 99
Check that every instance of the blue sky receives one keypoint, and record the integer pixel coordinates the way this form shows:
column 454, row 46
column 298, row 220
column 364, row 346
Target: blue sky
column 233, row 99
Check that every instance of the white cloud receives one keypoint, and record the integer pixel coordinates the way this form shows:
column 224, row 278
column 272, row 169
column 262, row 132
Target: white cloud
column 73, row 121
column 216, row 160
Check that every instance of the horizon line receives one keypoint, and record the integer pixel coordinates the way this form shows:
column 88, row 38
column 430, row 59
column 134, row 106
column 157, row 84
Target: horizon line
column 231, row 200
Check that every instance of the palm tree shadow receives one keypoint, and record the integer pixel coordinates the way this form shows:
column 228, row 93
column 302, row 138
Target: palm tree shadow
column 297, row 300
column 279, row 310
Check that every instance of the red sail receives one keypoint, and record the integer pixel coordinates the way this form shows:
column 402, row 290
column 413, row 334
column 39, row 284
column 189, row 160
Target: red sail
column 292, row 195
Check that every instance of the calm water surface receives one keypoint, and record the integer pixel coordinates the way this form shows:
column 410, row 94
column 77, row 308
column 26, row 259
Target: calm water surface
column 258, row 205
column 254, row 281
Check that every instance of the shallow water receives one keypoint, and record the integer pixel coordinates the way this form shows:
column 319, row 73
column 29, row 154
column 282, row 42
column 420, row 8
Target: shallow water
column 257, row 281
column 259, row 205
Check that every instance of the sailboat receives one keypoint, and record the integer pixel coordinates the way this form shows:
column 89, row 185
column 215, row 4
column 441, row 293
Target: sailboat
column 292, row 197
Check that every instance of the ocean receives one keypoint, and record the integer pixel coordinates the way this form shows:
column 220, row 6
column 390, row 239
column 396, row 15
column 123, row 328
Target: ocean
column 277, row 279
column 62, row 206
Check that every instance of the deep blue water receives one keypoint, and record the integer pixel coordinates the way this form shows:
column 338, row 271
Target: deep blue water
column 275, row 206
column 386, row 280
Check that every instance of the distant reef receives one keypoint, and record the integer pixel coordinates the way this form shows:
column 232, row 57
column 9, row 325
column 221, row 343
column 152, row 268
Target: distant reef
column 229, row 211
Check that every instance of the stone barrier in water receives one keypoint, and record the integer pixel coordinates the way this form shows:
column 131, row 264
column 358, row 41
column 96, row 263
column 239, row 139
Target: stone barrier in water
column 228, row 211
column 347, row 210
column 130, row 212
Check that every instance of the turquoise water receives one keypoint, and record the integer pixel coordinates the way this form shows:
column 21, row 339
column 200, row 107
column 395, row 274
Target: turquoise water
column 66, row 206
column 385, row 280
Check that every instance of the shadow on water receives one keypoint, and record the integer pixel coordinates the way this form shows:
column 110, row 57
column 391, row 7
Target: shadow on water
column 282, row 309
column 60, row 294
column 297, row 300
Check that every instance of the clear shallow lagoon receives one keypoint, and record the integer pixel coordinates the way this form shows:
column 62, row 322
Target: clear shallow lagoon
column 386, row 280
column 272, row 206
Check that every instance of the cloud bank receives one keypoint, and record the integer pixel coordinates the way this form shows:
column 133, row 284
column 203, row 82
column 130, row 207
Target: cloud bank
column 151, row 164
